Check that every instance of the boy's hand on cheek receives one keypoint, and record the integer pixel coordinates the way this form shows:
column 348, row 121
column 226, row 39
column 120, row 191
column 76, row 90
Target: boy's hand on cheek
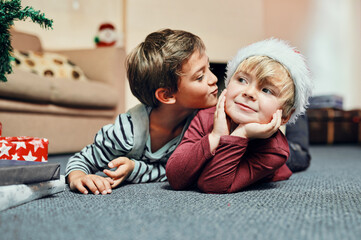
column 220, row 127
column 124, row 168
column 258, row 130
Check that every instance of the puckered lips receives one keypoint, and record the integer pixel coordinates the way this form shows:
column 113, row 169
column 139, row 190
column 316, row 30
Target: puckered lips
column 214, row 92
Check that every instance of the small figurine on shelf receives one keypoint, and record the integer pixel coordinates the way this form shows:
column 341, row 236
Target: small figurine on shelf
column 107, row 35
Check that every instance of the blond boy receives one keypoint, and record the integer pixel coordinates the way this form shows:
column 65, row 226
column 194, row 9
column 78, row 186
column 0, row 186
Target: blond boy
column 238, row 142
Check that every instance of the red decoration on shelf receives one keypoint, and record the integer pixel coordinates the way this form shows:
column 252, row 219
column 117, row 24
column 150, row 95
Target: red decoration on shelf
column 107, row 35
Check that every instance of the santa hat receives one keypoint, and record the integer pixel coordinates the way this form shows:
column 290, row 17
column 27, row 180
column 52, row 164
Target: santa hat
column 106, row 26
column 290, row 58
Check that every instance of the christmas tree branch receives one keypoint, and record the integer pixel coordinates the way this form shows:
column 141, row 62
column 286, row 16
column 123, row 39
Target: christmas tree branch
column 10, row 11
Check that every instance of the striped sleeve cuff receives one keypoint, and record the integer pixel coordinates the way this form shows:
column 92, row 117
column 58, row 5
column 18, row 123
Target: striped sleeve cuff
column 135, row 171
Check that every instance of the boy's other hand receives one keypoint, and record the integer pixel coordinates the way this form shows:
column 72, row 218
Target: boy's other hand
column 81, row 181
column 220, row 127
column 124, row 167
column 258, row 130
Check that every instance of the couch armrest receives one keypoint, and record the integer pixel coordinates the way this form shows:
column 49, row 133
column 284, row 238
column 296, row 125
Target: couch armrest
column 106, row 64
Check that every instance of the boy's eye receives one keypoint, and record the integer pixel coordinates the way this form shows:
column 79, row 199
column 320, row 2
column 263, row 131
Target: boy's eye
column 242, row 80
column 266, row 90
column 200, row 78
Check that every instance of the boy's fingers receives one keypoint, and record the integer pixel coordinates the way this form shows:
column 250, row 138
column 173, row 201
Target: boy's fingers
column 273, row 122
column 91, row 186
column 80, row 188
column 221, row 98
column 110, row 173
column 118, row 173
column 273, row 125
column 276, row 122
column 110, row 180
column 107, row 185
column 102, row 184
column 223, row 102
column 116, row 162
column 223, row 93
column 117, row 182
column 279, row 118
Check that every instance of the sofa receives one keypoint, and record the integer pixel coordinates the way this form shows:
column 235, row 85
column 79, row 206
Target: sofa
column 65, row 111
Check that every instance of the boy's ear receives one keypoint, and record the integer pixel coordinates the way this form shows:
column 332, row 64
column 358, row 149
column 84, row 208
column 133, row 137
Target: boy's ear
column 285, row 119
column 164, row 95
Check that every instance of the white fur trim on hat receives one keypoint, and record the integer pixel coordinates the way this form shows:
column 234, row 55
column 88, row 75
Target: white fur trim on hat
column 290, row 58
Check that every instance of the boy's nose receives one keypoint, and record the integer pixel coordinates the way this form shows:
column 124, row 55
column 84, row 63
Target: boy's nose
column 249, row 92
column 212, row 79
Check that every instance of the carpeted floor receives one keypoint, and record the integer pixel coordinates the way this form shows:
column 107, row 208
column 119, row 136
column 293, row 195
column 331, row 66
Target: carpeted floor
column 323, row 202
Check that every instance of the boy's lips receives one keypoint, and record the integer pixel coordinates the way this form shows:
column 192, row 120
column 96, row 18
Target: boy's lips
column 215, row 91
column 246, row 107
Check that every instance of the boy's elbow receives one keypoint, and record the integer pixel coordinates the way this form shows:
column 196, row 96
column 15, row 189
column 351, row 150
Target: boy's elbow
column 278, row 162
column 174, row 179
column 175, row 183
column 176, row 186
column 213, row 187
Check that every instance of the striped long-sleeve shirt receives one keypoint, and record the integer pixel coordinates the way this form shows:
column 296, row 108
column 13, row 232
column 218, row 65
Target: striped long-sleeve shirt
column 116, row 140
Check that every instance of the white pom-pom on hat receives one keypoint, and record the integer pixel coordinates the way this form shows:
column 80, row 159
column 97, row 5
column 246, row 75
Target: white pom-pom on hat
column 290, row 58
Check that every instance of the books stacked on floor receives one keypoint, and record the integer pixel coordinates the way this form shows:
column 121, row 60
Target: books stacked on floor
column 25, row 174
column 22, row 181
column 326, row 101
column 330, row 123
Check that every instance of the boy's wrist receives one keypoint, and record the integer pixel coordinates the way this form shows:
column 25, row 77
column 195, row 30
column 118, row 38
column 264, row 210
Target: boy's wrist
column 240, row 131
column 132, row 174
column 73, row 175
column 213, row 139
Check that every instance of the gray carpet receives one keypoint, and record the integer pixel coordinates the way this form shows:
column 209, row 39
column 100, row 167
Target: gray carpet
column 322, row 203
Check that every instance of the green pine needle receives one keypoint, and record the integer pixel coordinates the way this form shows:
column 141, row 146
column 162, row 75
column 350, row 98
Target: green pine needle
column 10, row 11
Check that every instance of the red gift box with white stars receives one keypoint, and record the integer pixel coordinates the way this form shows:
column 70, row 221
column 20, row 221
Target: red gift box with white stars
column 24, row 149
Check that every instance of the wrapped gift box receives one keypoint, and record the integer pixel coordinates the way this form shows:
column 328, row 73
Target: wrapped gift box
column 24, row 148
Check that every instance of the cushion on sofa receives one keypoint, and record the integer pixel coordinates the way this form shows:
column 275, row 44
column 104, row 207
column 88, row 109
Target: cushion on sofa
column 24, row 85
column 83, row 94
column 47, row 64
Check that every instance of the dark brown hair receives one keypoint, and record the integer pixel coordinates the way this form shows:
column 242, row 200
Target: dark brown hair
column 157, row 62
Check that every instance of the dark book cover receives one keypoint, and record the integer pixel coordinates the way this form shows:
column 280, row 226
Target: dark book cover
column 326, row 101
column 23, row 172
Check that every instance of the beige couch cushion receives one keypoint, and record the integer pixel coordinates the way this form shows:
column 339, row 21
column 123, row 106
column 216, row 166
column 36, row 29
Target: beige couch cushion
column 21, row 107
column 27, row 86
column 47, row 64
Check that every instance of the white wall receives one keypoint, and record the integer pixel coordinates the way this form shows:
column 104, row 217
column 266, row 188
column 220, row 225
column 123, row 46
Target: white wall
column 327, row 31
column 73, row 27
column 334, row 50
column 224, row 26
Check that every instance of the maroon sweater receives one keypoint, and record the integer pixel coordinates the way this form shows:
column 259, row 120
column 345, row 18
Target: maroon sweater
column 237, row 163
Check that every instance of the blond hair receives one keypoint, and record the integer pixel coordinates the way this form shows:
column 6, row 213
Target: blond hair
column 265, row 68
